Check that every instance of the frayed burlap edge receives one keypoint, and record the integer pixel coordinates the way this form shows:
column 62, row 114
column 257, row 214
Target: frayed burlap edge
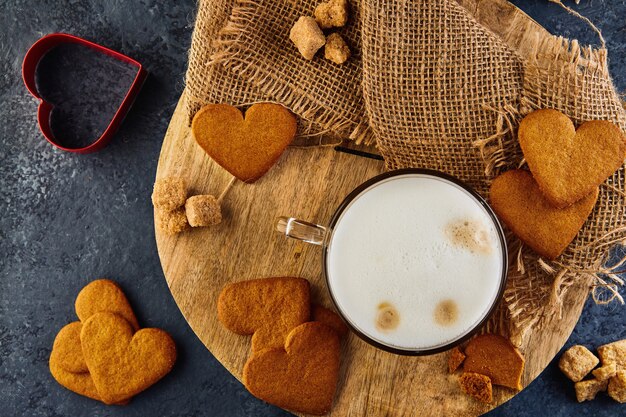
column 528, row 291
column 229, row 55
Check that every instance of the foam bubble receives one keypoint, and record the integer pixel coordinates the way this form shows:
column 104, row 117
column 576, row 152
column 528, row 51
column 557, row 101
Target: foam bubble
column 446, row 313
column 470, row 234
column 387, row 318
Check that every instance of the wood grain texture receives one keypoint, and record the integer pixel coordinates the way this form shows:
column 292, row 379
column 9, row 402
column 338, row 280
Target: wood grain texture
column 309, row 183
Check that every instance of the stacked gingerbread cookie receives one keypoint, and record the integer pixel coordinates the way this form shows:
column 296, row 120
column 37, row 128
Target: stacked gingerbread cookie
column 547, row 206
column 294, row 358
column 105, row 355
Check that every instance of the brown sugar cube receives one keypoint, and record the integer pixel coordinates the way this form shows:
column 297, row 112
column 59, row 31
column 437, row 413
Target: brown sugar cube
column 614, row 352
column 172, row 222
column 477, row 386
column 587, row 390
column 577, row 362
column 203, row 210
column 605, row 372
column 617, row 387
column 332, row 13
column 169, row 193
column 336, row 49
column 455, row 359
column 307, row 36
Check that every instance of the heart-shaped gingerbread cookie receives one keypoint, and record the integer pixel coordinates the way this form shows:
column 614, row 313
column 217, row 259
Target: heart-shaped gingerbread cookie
column 518, row 201
column 568, row 163
column 302, row 376
column 97, row 296
column 268, row 308
column 67, row 352
column 80, row 383
column 245, row 147
column 123, row 363
column 104, row 295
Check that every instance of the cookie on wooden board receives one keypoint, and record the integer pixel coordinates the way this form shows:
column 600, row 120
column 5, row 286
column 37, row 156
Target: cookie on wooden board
column 568, row 163
column 519, row 203
column 267, row 308
column 249, row 146
column 477, row 386
column 329, row 318
column 455, row 360
column 494, row 356
column 301, row 376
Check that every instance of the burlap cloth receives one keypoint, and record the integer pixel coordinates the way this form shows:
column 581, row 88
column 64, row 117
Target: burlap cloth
column 433, row 88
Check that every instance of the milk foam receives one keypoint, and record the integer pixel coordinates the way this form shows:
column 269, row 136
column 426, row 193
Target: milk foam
column 391, row 245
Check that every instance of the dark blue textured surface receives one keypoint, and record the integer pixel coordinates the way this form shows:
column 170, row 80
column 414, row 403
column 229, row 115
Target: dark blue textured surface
column 67, row 219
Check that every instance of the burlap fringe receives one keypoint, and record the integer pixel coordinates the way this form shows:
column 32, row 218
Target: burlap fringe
column 500, row 153
column 231, row 56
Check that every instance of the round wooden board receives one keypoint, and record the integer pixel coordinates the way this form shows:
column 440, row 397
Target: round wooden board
column 309, row 183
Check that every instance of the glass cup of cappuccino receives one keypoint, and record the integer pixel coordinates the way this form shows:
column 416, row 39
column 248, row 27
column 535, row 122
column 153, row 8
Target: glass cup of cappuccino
column 414, row 259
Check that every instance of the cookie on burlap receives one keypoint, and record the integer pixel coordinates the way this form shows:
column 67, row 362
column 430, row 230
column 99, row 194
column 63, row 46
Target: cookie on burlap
column 494, row 356
column 477, row 386
column 302, row 375
column 568, row 163
column 518, row 202
column 122, row 362
column 329, row 318
column 267, row 308
column 104, row 295
column 247, row 147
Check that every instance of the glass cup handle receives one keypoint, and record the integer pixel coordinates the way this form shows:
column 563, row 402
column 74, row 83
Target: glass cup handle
column 301, row 230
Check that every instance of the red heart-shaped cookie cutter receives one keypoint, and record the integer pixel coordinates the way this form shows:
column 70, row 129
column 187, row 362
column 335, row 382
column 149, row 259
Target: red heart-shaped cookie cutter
column 29, row 67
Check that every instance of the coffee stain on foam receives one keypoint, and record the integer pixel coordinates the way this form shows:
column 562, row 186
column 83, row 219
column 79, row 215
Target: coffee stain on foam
column 469, row 234
column 387, row 318
column 446, row 313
